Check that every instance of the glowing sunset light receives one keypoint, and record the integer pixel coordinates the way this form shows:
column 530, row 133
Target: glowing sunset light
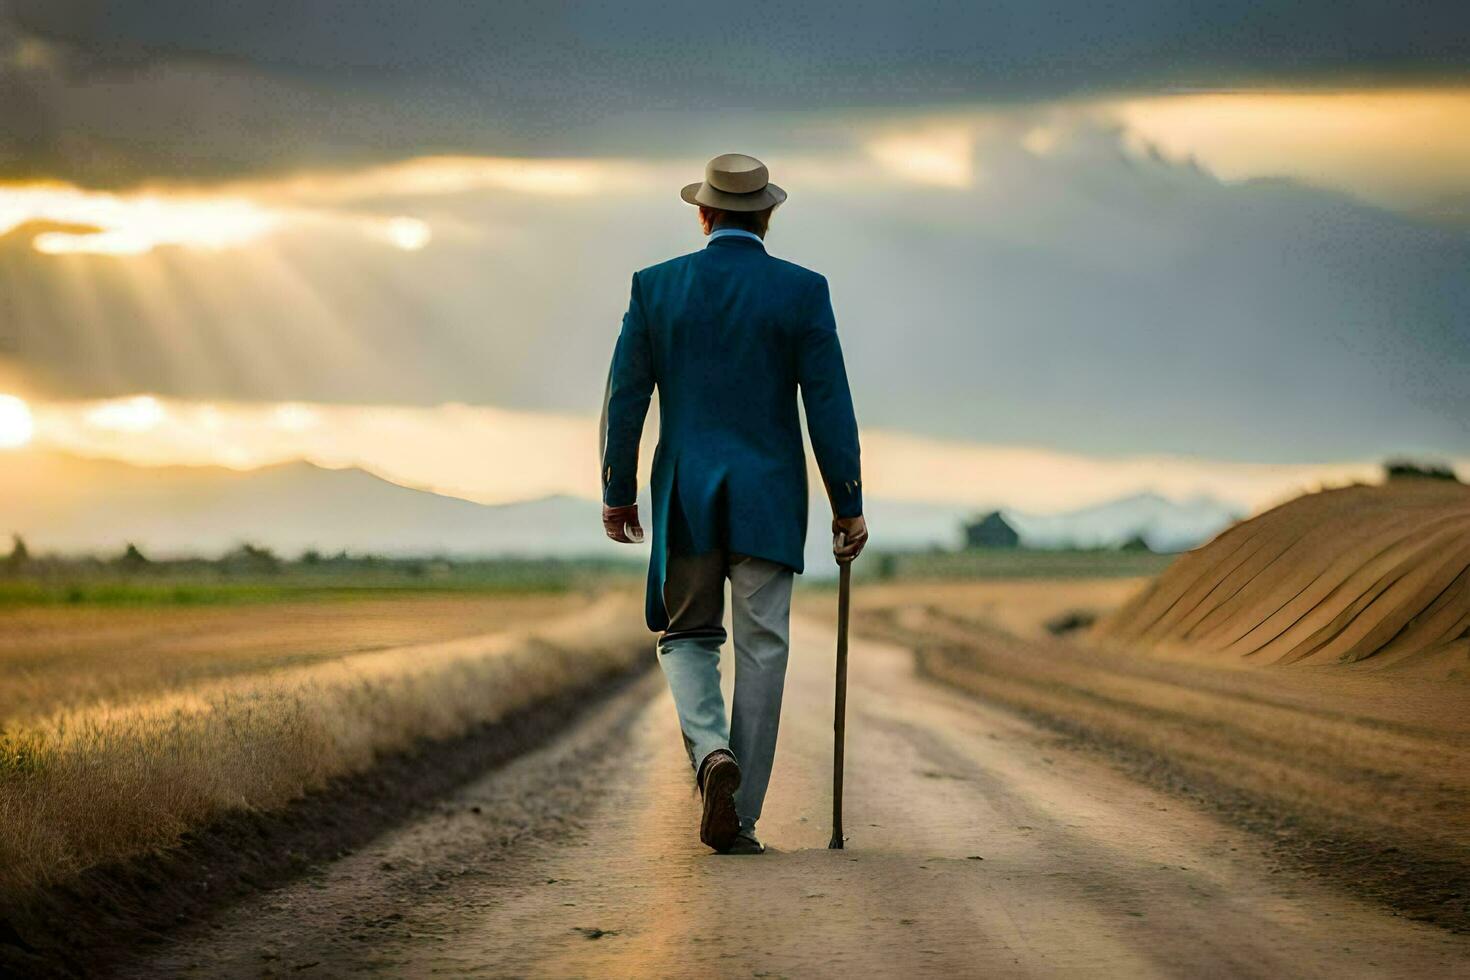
column 452, row 449
column 137, row 414
column 16, row 425
column 460, row 450
column 431, row 176
column 941, row 157
column 1393, row 146
column 116, row 224
column 409, row 234
column 1041, row 140
column 293, row 417
column 136, row 223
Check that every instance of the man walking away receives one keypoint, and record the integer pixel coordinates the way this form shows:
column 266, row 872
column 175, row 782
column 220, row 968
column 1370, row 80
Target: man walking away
column 728, row 335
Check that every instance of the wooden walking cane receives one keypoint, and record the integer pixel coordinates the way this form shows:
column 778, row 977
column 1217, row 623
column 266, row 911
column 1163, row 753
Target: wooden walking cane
column 839, row 719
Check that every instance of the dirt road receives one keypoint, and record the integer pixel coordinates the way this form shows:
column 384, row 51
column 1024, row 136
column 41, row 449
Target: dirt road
column 978, row 845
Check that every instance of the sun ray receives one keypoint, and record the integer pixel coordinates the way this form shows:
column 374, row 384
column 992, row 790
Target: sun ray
column 16, row 424
column 316, row 319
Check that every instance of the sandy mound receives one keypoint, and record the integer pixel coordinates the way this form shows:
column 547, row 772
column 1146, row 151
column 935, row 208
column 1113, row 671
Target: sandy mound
column 1377, row 576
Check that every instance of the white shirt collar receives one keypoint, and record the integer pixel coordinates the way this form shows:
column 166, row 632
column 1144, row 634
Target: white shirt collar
column 732, row 232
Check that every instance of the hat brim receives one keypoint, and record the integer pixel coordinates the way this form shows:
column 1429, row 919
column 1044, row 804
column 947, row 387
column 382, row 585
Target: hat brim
column 701, row 193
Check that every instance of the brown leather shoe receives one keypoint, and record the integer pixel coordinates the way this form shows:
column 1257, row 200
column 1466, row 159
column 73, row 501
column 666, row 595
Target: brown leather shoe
column 719, row 778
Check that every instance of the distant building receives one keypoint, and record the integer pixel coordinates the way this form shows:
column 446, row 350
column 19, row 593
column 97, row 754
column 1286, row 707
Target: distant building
column 991, row 531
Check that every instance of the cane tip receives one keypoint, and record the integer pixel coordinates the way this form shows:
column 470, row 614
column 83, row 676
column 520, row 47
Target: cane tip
column 835, row 844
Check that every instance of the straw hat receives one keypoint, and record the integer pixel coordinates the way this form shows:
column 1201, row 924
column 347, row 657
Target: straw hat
column 734, row 182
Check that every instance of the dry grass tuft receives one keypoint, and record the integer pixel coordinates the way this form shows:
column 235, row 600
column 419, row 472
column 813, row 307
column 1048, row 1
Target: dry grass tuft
column 95, row 783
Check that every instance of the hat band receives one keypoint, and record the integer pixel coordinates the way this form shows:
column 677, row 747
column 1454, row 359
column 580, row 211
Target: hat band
column 716, row 187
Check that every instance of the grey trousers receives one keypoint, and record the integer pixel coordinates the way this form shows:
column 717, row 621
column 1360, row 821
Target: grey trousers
column 689, row 653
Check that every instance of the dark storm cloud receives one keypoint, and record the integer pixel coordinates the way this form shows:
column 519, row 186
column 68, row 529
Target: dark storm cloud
column 111, row 91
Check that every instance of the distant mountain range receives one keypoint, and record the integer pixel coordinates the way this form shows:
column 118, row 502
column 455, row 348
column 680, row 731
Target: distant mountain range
column 1166, row 525
column 68, row 504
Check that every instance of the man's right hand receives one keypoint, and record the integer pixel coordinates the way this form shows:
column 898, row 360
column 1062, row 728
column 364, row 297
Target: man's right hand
column 621, row 523
column 849, row 535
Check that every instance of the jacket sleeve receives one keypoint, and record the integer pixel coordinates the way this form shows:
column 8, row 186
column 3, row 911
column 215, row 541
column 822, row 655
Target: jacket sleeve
column 829, row 416
column 625, row 405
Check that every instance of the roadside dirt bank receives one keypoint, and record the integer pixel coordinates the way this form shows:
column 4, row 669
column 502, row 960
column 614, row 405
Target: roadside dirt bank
column 1360, row 780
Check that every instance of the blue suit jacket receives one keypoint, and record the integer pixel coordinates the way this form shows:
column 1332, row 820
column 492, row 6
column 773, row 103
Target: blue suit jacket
column 728, row 334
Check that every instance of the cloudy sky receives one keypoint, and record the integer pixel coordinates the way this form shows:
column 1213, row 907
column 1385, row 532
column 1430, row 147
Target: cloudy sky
column 1146, row 242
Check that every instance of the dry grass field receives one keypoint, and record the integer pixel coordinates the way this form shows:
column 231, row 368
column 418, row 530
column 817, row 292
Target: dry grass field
column 121, row 728
column 54, row 656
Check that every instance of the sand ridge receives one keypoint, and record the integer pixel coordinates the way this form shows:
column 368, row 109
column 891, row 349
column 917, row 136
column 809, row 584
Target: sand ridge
column 1374, row 576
